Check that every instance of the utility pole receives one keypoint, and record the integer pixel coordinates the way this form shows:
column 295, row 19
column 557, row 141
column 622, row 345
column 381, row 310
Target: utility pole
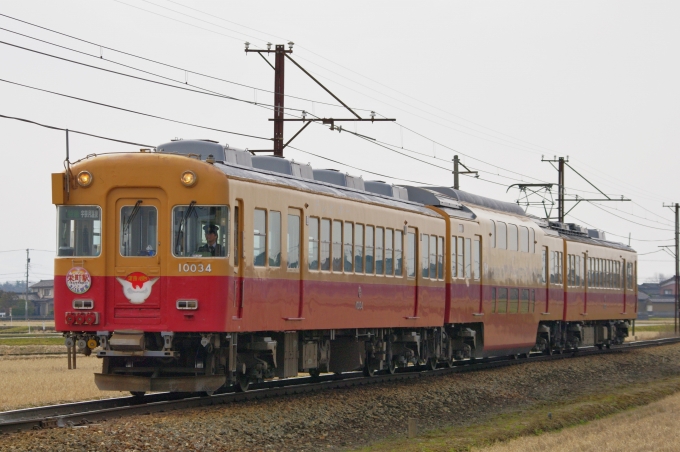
column 456, row 172
column 279, row 78
column 280, row 56
column 28, row 260
column 561, row 197
column 560, row 185
column 676, row 207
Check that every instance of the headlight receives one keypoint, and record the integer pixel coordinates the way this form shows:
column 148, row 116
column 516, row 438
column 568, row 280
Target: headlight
column 188, row 178
column 84, row 178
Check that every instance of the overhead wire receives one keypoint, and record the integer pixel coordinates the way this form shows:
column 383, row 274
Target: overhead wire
column 150, row 60
column 633, row 215
column 76, row 131
column 630, row 221
column 202, row 91
column 135, row 112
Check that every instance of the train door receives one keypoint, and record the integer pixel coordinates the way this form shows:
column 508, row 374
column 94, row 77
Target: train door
column 239, row 261
column 585, row 281
column 138, row 290
column 477, row 273
column 545, row 278
column 412, row 266
column 627, row 279
column 294, row 234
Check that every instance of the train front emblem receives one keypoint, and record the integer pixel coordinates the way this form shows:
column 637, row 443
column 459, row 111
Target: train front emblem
column 137, row 287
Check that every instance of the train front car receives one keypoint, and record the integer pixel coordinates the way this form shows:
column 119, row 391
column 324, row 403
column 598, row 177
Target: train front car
column 138, row 269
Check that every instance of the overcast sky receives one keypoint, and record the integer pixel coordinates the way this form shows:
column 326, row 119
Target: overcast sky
column 499, row 83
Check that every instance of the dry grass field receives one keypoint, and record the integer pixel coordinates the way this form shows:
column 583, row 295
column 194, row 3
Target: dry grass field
column 649, row 428
column 37, row 380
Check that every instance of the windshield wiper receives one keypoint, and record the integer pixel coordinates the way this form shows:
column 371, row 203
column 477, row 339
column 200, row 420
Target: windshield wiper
column 132, row 216
column 189, row 211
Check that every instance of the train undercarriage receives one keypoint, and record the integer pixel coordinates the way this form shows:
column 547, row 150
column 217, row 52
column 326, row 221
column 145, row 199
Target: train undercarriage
column 142, row 362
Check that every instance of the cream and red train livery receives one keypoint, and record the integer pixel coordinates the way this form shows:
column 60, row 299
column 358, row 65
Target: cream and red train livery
column 199, row 266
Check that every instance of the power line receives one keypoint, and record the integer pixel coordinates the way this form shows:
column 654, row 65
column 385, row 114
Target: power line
column 189, row 71
column 134, row 111
column 632, row 215
column 630, row 221
column 204, row 92
column 75, row 131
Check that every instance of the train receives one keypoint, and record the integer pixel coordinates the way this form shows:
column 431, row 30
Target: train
column 196, row 266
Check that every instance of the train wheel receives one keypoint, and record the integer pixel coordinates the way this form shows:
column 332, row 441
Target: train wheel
column 243, row 383
column 391, row 367
column 138, row 394
column 449, row 363
column 431, row 363
column 314, row 372
column 369, row 370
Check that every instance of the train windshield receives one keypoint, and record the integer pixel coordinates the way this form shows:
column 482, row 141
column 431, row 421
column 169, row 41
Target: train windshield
column 138, row 230
column 79, row 230
column 200, row 231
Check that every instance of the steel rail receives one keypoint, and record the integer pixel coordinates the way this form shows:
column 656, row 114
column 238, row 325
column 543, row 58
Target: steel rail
column 83, row 413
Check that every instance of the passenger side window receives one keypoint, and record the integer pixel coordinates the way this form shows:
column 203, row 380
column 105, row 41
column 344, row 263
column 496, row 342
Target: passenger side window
column 259, row 237
column 461, row 257
column 433, row 256
column 359, row 248
column 543, row 277
column 337, row 246
column 425, row 255
column 440, row 257
column 524, row 302
column 454, row 266
column 313, row 243
column 524, row 239
column 325, row 244
column 512, row 237
column 501, row 236
column 349, row 252
column 369, row 250
column 379, row 257
column 237, row 254
column 502, row 300
column 274, row 238
column 468, row 254
column 389, row 263
column 398, row 255
column 514, row 301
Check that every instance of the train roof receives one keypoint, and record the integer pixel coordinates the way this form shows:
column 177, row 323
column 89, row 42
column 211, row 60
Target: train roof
column 576, row 233
column 267, row 169
column 271, row 177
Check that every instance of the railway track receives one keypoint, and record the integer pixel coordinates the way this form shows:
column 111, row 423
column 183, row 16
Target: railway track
column 83, row 413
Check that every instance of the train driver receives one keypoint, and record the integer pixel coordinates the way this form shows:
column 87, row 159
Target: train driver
column 212, row 248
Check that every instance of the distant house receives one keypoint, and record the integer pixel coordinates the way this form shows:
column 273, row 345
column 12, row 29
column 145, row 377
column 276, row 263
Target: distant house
column 667, row 287
column 41, row 298
column 656, row 299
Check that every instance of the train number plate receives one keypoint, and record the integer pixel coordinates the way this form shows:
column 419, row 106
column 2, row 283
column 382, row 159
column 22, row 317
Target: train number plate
column 194, row 268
